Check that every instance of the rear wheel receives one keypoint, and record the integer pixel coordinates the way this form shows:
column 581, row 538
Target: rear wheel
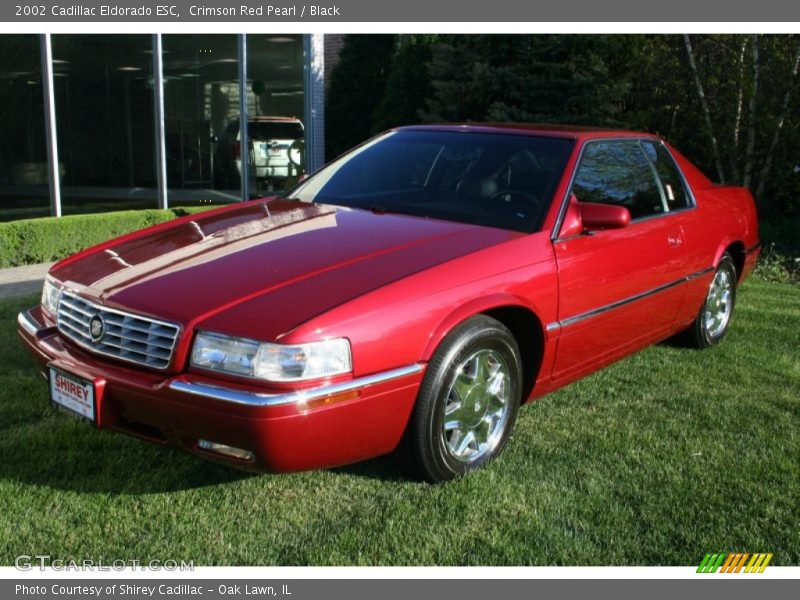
column 711, row 323
column 468, row 402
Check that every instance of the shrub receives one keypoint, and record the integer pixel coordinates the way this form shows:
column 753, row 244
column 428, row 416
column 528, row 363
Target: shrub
column 32, row 241
column 775, row 265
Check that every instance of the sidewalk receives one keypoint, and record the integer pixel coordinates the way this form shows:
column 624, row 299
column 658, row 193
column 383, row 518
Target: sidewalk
column 21, row 281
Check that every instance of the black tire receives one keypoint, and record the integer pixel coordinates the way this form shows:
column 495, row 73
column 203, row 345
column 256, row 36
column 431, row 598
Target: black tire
column 425, row 449
column 699, row 334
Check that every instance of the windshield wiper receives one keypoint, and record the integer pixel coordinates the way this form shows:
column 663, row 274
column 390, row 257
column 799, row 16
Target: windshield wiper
column 378, row 209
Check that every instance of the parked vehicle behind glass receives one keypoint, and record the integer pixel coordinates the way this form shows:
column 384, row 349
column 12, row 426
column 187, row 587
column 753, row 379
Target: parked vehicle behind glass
column 274, row 155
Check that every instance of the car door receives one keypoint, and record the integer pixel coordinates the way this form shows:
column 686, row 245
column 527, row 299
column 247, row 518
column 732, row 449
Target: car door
column 619, row 289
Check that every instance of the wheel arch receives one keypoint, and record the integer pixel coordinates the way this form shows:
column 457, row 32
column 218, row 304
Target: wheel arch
column 737, row 252
column 521, row 319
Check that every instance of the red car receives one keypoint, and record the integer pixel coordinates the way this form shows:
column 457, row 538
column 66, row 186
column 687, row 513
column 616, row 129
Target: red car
column 409, row 296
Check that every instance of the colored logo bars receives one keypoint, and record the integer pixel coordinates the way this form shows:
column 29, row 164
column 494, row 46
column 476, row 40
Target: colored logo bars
column 734, row 562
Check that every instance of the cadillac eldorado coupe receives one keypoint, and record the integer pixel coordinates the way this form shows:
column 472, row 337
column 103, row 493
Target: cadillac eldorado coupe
column 408, row 297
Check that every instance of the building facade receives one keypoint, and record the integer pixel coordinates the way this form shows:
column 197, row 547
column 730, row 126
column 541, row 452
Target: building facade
column 94, row 123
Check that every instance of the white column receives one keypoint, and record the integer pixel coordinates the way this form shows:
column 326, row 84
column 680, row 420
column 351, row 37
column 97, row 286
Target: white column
column 160, row 130
column 50, row 124
column 314, row 89
column 244, row 140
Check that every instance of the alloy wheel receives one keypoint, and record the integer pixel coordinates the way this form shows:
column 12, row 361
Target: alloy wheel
column 719, row 303
column 477, row 406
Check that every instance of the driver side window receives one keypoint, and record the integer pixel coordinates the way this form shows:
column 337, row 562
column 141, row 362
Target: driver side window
column 618, row 172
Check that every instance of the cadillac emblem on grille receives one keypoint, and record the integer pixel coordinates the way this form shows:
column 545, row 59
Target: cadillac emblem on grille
column 116, row 333
column 97, row 328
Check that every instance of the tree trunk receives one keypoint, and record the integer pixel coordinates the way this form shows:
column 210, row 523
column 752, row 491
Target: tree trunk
column 737, row 125
column 674, row 118
column 762, row 179
column 706, row 112
column 751, row 125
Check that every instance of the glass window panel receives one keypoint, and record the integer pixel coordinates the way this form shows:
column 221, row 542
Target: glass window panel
column 201, row 108
column 104, row 120
column 505, row 181
column 24, row 180
column 275, row 111
column 617, row 172
column 671, row 180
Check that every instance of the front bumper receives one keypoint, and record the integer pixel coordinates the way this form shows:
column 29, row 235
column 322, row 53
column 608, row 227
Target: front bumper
column 285, row 430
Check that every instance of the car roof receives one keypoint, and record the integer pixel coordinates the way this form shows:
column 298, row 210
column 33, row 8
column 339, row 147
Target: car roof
column 549, row 129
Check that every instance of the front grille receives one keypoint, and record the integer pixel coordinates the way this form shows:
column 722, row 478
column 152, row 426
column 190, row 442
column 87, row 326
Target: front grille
column 132, row 338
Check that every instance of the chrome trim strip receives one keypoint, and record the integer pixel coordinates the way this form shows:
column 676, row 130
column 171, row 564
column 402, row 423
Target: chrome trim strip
column 562, row 209
column 242, row 397
column 28, row 323
column 700, row 273
column 602, row 309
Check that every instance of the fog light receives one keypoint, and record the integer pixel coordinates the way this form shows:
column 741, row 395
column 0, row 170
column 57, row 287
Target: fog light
column 228, row 451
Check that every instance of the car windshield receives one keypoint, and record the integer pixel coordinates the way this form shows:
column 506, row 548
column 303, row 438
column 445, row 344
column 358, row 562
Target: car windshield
column 497, row 180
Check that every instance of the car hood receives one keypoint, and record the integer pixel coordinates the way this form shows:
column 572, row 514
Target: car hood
column 309, row 257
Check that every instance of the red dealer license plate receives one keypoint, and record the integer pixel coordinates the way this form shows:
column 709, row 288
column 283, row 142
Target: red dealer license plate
column 74, row 393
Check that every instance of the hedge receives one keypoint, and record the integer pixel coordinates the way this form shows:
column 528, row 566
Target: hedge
column 32, row 241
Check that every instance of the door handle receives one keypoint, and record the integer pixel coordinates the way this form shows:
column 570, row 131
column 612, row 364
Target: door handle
column 673, row 241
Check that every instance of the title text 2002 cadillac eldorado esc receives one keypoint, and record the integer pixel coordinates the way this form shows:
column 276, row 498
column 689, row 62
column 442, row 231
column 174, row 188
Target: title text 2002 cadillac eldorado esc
column 407, row 297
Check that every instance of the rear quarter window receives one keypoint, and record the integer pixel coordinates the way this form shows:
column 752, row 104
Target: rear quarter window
column 675, row 192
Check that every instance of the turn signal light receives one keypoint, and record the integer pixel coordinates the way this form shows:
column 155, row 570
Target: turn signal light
column 327, row 400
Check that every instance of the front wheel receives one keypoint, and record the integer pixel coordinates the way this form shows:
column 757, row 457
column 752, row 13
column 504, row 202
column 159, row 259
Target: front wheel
column 467, row 403
column 711, row 323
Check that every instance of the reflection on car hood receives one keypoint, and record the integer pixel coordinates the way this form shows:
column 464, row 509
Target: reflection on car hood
column 197, row 268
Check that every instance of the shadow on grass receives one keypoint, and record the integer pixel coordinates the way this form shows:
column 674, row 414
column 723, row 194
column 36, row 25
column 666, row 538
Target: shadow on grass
column 679, row 342
column 60, row 452
column 384, row 468
column 75, row 457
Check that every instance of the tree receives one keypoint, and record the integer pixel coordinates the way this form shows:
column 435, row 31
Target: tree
column 760, row 73
column 706, row 111
column 408, row 85
column 729, row 102
column 556, row 79
column 781, row 116
column 356, row 87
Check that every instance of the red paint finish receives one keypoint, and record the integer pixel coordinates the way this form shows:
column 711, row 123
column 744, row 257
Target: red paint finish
column 285, row 271
column 604, row 216
column 285, row 438
column 610, row 266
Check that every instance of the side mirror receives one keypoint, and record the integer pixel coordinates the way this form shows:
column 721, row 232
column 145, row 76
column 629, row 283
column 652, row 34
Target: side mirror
column 604, row 216
column 581, row 217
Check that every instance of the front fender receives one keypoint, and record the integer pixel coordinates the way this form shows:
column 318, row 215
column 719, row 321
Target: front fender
column 470, row 309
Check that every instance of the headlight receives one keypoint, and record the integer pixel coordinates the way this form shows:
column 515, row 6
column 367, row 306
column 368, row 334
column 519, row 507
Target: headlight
column 271, row 362
column 51, row 292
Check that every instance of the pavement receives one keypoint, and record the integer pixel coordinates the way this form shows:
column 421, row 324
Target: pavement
column 22, row 281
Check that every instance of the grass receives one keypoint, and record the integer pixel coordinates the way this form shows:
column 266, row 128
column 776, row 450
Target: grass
column 657, row 460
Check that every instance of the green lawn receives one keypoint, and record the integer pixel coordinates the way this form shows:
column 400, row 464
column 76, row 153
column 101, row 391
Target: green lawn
column 658, row 460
